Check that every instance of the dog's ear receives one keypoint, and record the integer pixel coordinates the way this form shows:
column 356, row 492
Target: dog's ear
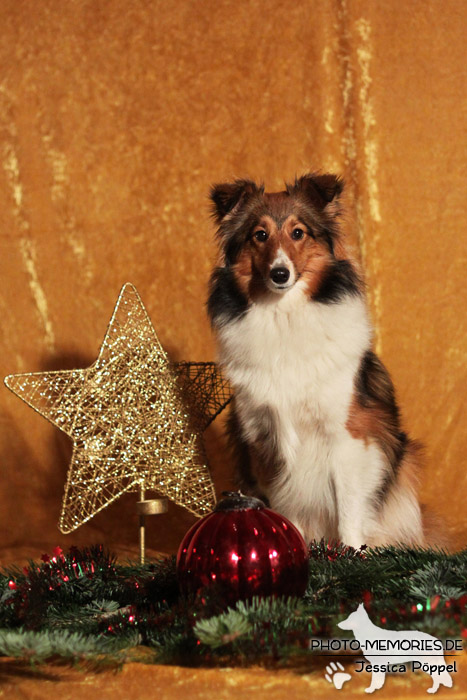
column 322, row 190
column 227, row 196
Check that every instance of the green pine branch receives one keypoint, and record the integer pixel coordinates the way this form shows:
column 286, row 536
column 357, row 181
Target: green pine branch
column 86, row 605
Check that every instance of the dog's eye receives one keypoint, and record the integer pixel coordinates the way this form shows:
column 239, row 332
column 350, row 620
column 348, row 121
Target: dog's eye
column 261, row 235
column 297, row 234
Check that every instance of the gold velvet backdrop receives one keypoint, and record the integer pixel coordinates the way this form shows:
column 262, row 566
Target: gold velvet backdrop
column 115, row 118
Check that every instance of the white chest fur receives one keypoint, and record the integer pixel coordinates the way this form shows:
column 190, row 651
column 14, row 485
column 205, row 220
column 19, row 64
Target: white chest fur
column 290, row 354
column 297, row 360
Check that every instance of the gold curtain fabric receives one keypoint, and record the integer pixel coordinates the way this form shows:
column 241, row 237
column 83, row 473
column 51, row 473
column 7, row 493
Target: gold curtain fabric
column 146, row 682
column 115, row 119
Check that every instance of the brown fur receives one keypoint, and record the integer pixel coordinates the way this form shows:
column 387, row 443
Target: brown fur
column 310, row 257
column 374, row 413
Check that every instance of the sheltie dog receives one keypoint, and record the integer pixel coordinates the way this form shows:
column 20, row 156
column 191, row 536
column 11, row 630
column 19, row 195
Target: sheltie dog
column 315, row 422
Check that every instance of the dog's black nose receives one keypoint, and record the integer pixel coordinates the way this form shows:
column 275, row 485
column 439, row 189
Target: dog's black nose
column 279, row 275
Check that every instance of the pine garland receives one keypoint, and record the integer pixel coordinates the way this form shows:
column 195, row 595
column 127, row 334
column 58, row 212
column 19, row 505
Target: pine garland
column 84, row 605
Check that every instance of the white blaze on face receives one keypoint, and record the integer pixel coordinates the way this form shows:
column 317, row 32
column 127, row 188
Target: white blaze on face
column 282, row 260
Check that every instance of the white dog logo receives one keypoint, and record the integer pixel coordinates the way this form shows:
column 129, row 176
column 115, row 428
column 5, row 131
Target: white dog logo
column 405, row 647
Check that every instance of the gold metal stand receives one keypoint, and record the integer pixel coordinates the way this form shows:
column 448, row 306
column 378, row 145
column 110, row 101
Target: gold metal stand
column 155, row 506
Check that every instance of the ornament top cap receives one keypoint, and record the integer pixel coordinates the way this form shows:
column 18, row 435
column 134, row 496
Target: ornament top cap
column 236, row 500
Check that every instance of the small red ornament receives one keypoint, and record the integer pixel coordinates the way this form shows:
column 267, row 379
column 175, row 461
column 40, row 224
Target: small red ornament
column 243, row 549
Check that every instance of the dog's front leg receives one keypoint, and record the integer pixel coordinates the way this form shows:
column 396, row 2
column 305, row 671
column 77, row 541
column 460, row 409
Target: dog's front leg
column 377, row 681
column 356, row 478
column 350, row 514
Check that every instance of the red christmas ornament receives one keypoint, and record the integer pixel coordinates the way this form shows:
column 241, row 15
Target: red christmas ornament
column 243, row 549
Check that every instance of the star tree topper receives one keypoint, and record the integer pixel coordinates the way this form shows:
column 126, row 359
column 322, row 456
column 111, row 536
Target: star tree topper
column 134, row 418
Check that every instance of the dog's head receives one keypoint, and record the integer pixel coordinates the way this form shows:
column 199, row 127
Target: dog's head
column 272, row 240
column 355, row 619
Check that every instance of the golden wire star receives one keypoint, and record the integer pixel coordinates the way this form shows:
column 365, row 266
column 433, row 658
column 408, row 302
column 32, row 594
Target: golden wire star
column 134, row 418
